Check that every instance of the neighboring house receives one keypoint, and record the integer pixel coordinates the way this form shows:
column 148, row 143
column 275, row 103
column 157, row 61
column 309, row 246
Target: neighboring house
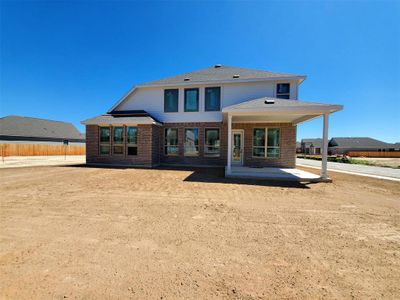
column 311, row 146
column 298, row 147
column 26, row 130
column 343, row 145
column 221, row 115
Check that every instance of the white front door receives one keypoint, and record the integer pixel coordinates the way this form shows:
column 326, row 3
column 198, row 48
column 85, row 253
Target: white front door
column 237, row 147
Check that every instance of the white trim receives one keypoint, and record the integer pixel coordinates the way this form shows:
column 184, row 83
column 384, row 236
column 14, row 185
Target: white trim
column 324, row 165
column 122, row 99
column 311, row 109
column 229, row 157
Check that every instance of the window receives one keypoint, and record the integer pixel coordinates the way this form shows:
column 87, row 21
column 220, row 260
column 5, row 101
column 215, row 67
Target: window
column 65, row 142
column 118, row 140
column 131, row 141
column 191, row 100
column 171, row 100
column 273, row 148
column 259, row 142
column 212, row 99
column 266, row 147
column 104, row 140
column 171, row 141
column 283, row 90
column 191, row 144
column 212, row 142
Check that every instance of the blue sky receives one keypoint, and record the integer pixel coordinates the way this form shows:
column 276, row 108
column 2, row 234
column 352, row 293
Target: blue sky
column 72, row 60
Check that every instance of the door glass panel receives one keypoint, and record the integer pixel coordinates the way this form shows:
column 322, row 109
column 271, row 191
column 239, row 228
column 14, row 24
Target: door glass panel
column 236, row 153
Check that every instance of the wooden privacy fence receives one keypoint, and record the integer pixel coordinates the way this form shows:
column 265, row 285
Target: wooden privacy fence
column 40, row 150
column 374, row 154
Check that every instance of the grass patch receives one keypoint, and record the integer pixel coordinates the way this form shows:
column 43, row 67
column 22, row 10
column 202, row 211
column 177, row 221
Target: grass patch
column 339, row 159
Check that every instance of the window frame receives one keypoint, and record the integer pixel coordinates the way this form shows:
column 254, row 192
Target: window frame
column 177, row 100
column 105, row 143
column 279, row 95
column 205, row 98
column 128, row 144
column 119, row 144
column 197, row 99
column 196, row 146
column 166, row 146
column 266, row 144
column 207, row 145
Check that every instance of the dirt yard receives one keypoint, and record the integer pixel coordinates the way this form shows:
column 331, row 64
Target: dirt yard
column 76, row 232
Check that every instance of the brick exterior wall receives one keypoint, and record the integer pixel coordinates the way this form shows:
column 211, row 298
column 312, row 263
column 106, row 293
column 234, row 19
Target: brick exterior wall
column 151, row 139
column 287, row 157
column 201, row 159
column 147, row 137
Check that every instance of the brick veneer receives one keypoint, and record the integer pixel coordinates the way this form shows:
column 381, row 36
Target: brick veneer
column 147, row 148
column 287, row 157
column 151, row 146
column 201, row 159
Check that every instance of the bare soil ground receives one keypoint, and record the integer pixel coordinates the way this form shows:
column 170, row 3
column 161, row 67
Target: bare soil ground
column 76, row 232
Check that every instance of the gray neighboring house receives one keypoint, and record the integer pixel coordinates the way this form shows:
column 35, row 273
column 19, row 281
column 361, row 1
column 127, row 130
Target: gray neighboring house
column 343, row 145
column 311, row 146
column 298, row 147
column 26, row 130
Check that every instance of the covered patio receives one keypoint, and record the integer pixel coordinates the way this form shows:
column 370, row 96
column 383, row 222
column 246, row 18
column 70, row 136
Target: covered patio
column 273, row 111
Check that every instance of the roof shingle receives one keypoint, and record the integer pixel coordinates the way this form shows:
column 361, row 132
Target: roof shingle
column 218, row 74
column 38, row 128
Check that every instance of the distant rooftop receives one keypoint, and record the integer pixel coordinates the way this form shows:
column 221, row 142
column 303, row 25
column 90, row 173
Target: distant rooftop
column 18, row 126
column 317, row 142
column 357, row 142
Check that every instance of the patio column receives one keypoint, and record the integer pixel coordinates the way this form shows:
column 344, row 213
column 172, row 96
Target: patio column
column 229, row 158
column 324, row 166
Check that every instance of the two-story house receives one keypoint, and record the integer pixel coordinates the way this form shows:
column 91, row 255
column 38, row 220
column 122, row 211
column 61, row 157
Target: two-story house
column 224, row 116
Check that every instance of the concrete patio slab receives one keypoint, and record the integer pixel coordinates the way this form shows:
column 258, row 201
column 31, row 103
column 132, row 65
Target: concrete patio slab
column 284, row 174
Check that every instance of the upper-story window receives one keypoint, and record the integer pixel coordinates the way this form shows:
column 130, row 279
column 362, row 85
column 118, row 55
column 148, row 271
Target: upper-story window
column 283, row 90
column 171, row 100
column 213, row 99
column 191, row 100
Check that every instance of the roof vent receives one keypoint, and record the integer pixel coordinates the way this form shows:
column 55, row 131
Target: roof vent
column 217, row 66
column 269, row 101
column 186, row 79
column 236, row 76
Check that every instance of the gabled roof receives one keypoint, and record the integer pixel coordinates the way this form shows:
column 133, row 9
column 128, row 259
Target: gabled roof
column 38, row 128
column 268, row 104
column 219, row 73
column 357, row 142
column 122, row 117
column 317, row 142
